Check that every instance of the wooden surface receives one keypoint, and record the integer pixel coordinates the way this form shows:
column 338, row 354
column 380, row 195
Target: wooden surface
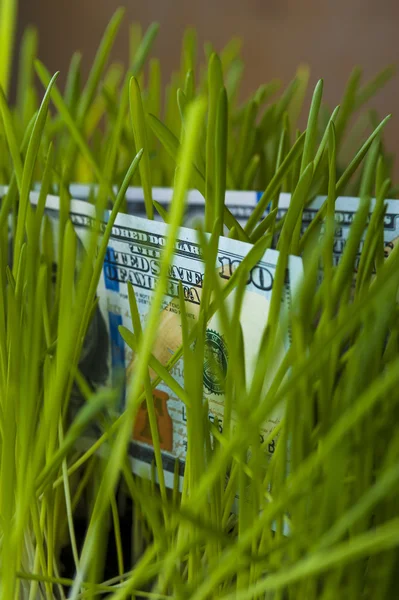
column 332, row 36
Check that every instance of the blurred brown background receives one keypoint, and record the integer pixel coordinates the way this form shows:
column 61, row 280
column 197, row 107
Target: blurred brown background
column 332, row 36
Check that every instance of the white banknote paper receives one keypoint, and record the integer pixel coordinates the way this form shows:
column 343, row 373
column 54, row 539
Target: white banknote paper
column 133, row 254
column 242, row 203
column 345, row 210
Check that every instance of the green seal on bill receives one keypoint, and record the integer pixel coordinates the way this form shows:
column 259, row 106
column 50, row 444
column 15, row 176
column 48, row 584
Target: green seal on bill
column 215, row 363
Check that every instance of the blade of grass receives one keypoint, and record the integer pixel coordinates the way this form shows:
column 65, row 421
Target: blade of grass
column 215, row 85
column 221, row 157
column 26, row 71
column 29, row 165
column 11, row 137
column 140, row 138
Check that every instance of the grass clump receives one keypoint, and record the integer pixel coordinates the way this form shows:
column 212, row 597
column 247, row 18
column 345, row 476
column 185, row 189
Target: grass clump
column 316, row 514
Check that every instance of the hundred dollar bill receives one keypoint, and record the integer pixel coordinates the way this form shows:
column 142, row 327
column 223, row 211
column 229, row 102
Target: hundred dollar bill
column 242, row 203
column 345, row 210
column 133, row 255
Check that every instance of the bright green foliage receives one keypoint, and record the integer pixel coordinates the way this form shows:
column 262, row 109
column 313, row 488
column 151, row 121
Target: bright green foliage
column 333, row 475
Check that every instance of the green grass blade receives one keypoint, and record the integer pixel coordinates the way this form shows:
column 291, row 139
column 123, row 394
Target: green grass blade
column 295, row 108
column 99, row 63
column 215, row 85
column 11, row 137
column 311, row 130
column 26, row 70
column 140, row 138
column 144, row 48
column 221, row 157
column 369, row 172
column 287, row 238
column 189, row 52
column 73, row 83
column 348, row 103
column 31, row 156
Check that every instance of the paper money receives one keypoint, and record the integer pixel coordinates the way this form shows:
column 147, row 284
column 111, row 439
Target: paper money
column 345, row 210
column 242, row 203
column 133, row 254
